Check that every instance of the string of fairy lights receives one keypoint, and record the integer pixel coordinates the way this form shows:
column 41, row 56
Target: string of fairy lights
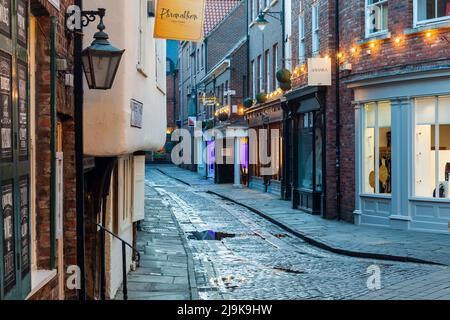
column 347, row 56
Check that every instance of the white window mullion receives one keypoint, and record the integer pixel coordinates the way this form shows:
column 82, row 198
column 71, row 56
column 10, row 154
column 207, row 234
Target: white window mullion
column 377, row 152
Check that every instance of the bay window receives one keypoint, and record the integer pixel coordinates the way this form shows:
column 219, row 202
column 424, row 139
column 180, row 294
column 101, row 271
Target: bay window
column 376, row 17
column 432, row 147
column 431, row 10
column 377, row 148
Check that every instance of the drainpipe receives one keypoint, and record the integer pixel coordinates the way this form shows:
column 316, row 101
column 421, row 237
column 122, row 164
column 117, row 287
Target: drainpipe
column 283, row 32
column 53, row 142
column 248, row 91
column 338, row 117
column 79, row 157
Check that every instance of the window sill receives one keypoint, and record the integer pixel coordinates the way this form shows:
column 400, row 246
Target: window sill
column 435, row 200
column 378, row 196
column 428, row 26
column 374, row 37
column 39, row 278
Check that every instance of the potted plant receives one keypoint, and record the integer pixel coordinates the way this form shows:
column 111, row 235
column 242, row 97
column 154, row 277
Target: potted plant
column 261, row 97
column 248, row 102
column 284, row 76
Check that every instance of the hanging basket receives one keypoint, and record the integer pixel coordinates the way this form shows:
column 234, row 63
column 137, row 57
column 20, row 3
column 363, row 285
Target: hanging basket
column 248, row 103
column 223, row 116
column 284, row 76
column 261, row 97
column 286, row 86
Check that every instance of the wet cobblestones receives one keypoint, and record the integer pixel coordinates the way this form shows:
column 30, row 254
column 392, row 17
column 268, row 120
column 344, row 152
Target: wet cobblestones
column 262, row 261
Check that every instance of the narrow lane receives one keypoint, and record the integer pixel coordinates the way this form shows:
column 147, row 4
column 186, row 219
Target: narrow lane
column 256, row 259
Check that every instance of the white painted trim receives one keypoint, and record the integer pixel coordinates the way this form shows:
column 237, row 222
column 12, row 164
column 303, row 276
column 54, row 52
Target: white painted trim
column 428, row 22
column 375, row 196
column 400, row 218
column 434, row 200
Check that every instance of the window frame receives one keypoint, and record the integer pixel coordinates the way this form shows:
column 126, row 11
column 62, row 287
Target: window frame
column 253, row 68
column 437, row 132
column 267, row 78
column 366, row 27
column 418, row 23
column 376, row 142
column 315, row 29
column 301, row 39
column 142, row 33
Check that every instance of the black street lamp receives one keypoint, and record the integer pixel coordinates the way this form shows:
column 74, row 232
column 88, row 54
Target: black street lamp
column 262, row 23
column 101, row 60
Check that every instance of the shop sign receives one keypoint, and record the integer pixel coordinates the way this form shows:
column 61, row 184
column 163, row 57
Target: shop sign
column 319, row 71
column 209, row 100
column 136, row 114
column 192, row 121
column 180, row 19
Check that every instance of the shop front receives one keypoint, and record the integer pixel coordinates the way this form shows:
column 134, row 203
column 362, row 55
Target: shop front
column 305, row 116
column 265, row 147
column 403, row 151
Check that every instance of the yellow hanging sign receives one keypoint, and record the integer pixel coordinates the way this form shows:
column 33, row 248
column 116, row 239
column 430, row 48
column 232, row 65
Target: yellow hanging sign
column 180, row 19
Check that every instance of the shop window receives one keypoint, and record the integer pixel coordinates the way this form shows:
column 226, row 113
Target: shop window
column 376, row 17
column 432, row 147
column 427, row 11
column 377, row 148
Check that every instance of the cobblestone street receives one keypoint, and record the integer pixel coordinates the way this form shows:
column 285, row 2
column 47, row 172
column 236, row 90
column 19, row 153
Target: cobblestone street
column 255, row 259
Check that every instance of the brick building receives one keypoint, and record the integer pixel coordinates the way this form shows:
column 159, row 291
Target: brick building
column 399, row 84
column 389, row 114
column 310, row 163
column 38, row 195
column 192, row 62
column 222, row 92
column 266, row 57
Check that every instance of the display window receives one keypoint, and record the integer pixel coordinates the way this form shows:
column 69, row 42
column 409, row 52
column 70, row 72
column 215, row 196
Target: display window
column 432, row 147
column 377, row 148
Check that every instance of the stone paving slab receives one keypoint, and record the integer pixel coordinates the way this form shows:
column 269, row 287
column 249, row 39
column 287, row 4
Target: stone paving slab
column 164, row 270
column 336, row 236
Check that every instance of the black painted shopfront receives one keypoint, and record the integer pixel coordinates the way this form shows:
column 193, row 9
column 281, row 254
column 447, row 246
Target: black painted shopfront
column 304, row 168
column 15, row 266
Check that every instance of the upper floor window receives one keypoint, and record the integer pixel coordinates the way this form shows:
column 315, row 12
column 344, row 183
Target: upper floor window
column 427, row 11
column 301, row 39
column 202, row 58
column 376, row 17
column 267, row 71
column 254, row 78
column 315, row 29
column 142, row 33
